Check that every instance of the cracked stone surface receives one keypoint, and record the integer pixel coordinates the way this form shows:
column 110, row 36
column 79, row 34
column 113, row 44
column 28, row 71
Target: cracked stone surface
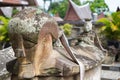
column 6, row 55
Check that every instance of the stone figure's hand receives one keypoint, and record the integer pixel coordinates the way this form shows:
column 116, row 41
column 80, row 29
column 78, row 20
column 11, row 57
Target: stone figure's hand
column 19, row 53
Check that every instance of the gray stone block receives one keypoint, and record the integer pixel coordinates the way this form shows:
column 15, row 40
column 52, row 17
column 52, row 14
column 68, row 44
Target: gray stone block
column 6, row 55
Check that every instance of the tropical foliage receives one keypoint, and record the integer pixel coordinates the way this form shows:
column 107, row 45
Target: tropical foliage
column 67, row 28
column 111, row 28
column 97, row 6
column 4, row 29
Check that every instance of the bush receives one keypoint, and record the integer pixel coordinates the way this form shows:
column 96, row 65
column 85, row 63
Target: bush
column 4, row 29
column 111, row 28
column 67, row 29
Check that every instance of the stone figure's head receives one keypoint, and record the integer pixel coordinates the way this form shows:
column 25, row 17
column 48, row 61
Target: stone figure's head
column 88, row 25
column 29, row 20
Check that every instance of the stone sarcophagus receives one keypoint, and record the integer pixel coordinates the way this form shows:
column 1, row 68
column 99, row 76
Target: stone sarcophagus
column 34, row 35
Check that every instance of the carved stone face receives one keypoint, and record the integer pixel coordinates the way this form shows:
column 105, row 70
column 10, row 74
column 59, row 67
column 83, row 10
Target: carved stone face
column 88, row 26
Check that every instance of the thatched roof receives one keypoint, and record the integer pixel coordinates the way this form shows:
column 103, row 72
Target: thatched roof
column 76, row 12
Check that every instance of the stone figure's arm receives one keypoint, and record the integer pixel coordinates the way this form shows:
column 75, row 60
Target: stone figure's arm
column 17, row 44
column 99, row 43
column 65, row 44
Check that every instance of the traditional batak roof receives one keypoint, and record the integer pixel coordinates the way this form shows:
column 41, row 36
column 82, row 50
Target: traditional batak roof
column 76, row 12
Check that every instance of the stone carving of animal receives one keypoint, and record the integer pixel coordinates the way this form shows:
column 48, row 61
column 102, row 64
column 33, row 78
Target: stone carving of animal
column 32, row 33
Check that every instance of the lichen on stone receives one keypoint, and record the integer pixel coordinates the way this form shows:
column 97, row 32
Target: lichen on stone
column 27, row 25
column 22, row 24
column 28, row 22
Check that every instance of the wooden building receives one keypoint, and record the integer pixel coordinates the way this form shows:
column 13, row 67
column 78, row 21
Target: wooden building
column 76, row 12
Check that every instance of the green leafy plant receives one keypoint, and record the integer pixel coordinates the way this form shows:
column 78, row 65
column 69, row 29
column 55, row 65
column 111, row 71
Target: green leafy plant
column 111, row 28
column 97, row 6
column 4, row 29
column 67, row 28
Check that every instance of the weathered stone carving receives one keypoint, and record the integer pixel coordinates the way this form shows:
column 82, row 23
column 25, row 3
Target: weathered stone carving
column 32, row 33
column 28, row 43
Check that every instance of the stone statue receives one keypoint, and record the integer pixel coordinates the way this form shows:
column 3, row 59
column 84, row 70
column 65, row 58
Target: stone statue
column 27, row 40
column 32, row 34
